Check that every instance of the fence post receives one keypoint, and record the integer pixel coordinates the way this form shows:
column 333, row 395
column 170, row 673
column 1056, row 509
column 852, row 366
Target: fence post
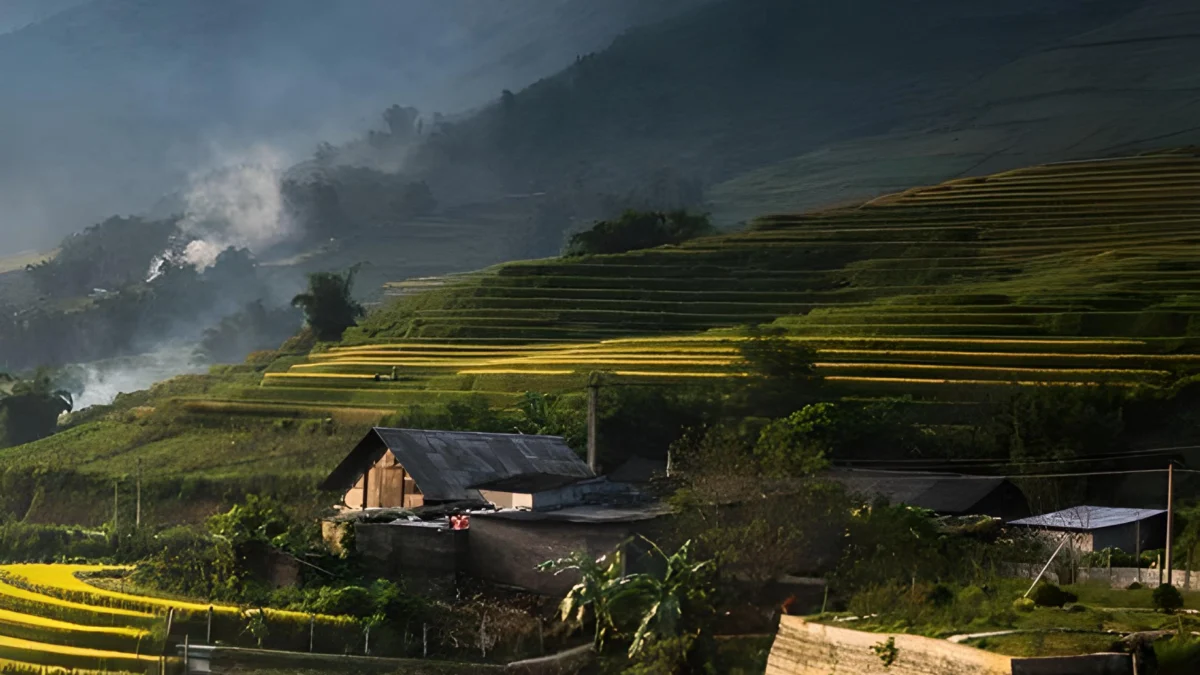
column 425, row 640
column 312, row 631
column 208, row 633
column 186, row 646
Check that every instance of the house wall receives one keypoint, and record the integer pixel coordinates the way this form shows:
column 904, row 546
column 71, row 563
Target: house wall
column 508, row 500
column 388, row 485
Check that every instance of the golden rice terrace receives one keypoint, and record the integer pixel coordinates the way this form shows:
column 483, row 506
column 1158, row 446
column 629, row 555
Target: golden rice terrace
column 1082, row 272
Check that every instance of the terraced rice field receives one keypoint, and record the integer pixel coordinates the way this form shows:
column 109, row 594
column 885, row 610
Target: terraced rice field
column 41, row 632
column 50, row 618
column 1066, row 274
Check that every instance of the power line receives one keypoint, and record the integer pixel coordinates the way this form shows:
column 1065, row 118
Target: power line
column 1149, row 452
column 906, row 475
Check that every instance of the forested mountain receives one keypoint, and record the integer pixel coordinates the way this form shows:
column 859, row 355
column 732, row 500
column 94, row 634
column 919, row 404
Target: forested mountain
column 108, row 105
column 735, row 85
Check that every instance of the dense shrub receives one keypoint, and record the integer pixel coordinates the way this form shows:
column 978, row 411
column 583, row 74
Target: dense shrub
column 1167, row 598
column 1050, row 595
column 1024, row 605
column 636, row 230
column 940, row 596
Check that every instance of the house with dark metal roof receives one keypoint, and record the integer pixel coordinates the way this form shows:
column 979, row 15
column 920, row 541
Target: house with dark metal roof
column 1096, row 528
column 409, row 468
column 949, row 494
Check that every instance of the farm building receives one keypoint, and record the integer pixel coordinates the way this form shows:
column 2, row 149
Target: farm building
column 1099, row 527
column 409, row 468
column 948, row 494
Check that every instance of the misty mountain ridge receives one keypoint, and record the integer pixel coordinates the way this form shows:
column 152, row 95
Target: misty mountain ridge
column 124, row 99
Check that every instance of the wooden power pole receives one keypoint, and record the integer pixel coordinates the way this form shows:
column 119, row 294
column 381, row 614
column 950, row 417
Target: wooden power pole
column 116, row 506
column 137, row 516
column 592, row 413
column 1170, row 514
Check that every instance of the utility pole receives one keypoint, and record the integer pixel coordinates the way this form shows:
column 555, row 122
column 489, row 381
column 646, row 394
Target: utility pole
column 137, row 518
column 593, row 405
column 116, row 507
column 1170, row 514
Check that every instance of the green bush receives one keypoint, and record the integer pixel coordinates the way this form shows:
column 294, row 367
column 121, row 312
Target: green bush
column 939, row 596
column 1050, row 595
column 1024, row 605
column 1167, row 598
column 346, row 601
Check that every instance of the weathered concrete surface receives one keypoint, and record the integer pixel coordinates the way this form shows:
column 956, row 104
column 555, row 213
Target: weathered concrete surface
column 569, row 662
column 803, row 648
column 1092, row 664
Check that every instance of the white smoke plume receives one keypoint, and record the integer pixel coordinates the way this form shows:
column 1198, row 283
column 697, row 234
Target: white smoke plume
column 99, row 383
column 239, row 206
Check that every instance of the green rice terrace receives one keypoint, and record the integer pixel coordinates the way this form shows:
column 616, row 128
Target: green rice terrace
column 1073, row 273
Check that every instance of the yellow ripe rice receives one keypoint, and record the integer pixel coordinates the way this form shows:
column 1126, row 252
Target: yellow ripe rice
column 7, row 616
column 30, row 646
column 30, row 596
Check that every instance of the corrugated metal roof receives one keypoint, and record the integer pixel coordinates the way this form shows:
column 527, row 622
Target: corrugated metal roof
column 445, row 464
column 948, row 493
column 1086, row 518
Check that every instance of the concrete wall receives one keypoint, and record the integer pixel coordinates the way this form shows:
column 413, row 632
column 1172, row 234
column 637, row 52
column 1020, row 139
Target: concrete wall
column 1121, row 577
column 426, row 555
column 508, row 551
column 803, row 648
column 1092, row 664
column 1117, row 577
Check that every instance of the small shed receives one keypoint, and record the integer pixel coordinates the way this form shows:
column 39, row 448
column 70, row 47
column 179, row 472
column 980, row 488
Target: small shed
column 1099, row 527
column 409, row 468
column 949, row 494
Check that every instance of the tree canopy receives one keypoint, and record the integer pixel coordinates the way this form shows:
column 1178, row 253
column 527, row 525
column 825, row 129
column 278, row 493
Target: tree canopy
column 329, row 305
column 637, row 230
column 29, row 409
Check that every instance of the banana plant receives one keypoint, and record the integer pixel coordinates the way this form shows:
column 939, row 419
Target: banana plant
column 597, row 579
column 663, row 604
column 658, row 605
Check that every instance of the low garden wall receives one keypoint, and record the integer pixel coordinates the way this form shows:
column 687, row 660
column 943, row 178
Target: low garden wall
column 804, row 648
column 1117, row 577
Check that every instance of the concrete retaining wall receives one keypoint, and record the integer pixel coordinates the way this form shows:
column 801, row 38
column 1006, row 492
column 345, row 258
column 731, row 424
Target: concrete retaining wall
column 803, row 648
column 1093, row 664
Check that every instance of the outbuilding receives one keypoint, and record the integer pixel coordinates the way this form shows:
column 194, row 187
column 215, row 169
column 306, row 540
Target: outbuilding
column 1095, row 528
column 947, row 494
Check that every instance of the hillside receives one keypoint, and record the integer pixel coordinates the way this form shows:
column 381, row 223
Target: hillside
column 965, row 292
column 1113, row 90
column 1075, row 272
column 738, row 84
